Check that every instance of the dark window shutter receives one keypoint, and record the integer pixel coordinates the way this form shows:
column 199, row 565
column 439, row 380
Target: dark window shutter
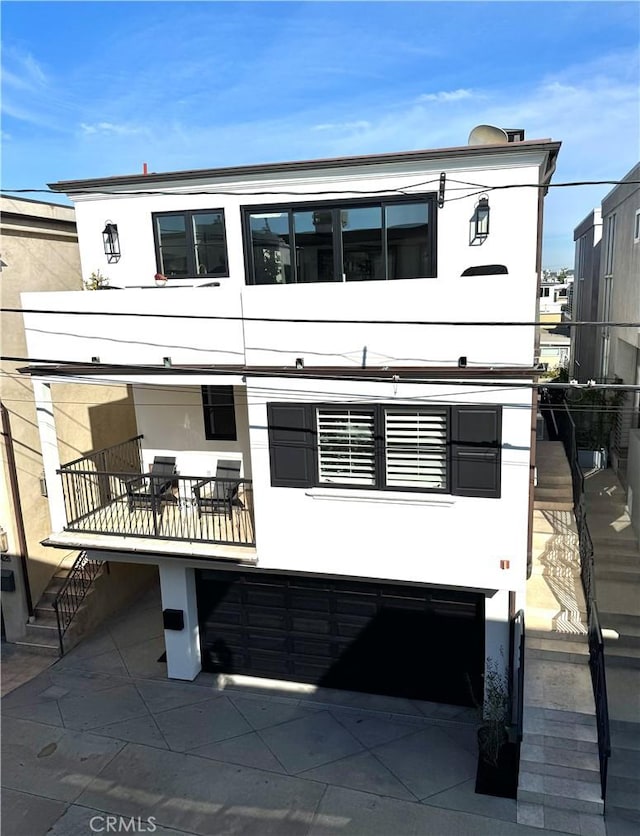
column 476, row 440
column 291, row 445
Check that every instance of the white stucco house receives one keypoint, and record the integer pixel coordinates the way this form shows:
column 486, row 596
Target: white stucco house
column 344, row 491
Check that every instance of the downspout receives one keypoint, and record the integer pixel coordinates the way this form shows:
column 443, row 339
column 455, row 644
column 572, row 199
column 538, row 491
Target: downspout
column 17, row 505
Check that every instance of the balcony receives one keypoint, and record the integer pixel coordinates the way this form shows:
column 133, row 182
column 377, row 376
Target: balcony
column 110, row 502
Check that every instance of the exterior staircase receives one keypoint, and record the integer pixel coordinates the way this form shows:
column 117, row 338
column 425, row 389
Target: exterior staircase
column 42, row 632
column 559, row 782
column 617, row 565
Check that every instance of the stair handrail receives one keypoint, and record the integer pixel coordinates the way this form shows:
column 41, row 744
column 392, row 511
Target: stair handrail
column 67, row 602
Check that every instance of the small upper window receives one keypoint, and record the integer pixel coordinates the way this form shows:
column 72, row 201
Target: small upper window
column 636, row 227
column 219, row 413
column 191, row 244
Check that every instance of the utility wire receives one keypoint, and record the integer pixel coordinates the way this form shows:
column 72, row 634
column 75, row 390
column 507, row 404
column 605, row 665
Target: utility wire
column 391, row 375
column 239, row 193
column 323, row 321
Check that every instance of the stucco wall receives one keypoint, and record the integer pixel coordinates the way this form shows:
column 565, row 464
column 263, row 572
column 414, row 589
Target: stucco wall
column 40, row 252
column 633, row 480
column 435, row 538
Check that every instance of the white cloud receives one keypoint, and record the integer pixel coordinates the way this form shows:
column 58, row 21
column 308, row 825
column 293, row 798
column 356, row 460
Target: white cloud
column 447, row 95
column 108, row 128
column 361, row 125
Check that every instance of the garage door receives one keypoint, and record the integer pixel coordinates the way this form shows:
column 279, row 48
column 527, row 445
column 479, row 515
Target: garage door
column 382, row 639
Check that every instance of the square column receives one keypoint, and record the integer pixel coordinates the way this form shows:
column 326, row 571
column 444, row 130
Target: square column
column 178, row 591
column 50, row 453
column 496, row 630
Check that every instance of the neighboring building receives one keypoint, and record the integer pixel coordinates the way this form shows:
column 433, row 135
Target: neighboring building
column 584, row 339
column 553, row 300
column 619, row 301
column 352, row 498
column 554, row 350
column 40, row 253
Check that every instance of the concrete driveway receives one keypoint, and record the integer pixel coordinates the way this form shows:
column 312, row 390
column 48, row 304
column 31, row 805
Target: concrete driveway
column 102, row 742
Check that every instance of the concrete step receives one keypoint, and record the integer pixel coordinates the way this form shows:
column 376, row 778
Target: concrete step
column 40, row 648
column 622, row 622
column 621, row 656
column 606, row 539
column 565, row 744
column 554, row 479
column 553, row 635
column 542, row 491
column 551, row 650
column 563, row 763
column 625, row 739
column 551, row 505
column 45, row 616
column 42, row 631
column 560, row 793
column 556, row 643
column 562, row 733
column 623, row 797
column 625, row 574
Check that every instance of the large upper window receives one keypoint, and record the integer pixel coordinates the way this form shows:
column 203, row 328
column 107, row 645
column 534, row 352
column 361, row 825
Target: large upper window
column 190, row 243
column 446, row 449
column 346, row 242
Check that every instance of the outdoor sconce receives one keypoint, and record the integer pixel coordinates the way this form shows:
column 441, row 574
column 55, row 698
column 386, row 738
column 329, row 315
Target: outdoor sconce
column 479, row 226
column 111, row 242
column 4, row 541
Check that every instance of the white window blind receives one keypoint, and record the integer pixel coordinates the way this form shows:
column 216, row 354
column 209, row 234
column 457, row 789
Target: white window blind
column 346, row 446
column 416, row 448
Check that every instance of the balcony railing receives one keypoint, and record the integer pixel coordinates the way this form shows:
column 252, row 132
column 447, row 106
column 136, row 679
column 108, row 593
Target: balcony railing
column 129, row 503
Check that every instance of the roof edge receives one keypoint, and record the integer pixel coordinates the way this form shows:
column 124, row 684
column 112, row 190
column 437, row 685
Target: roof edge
column 302, row 165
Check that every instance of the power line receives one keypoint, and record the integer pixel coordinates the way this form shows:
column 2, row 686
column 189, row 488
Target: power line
column 323, row 321
column 393, row 376
column 237, row 192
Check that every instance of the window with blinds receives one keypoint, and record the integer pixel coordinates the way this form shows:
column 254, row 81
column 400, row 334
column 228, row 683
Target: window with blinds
column 346, row 446
column 416, row 449
column 439, row 448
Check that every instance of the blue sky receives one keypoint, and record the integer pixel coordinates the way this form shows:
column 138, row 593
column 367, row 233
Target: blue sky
column 94, row 89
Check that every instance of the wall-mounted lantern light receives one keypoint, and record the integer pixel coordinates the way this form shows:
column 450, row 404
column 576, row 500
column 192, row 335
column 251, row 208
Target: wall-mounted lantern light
column 111, row 242
column 4, row 541
column 479, row 225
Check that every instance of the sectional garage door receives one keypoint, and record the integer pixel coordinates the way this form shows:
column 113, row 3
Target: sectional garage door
column 382, row 639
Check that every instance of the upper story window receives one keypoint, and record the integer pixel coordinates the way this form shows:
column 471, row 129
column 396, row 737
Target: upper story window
column 345, row 242
column 219, row 413
column 190, row 244
column 436, row 449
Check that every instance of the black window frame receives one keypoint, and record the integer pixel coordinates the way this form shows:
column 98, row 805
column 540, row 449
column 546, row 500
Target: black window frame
column 336, row 206
column 188, row 215
column 459, row 453
column 223, row 393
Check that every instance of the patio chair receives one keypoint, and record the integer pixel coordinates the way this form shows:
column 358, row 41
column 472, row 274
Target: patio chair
column 150, row 490
column 220, row 491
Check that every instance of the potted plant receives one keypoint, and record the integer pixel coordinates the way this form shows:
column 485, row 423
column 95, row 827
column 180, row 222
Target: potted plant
column 498, row 756
column 96, row 281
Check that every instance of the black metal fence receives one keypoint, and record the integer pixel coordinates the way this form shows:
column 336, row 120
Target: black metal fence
column 78, row 582
column 209, row 510
column 516, row 641
column 567, row 434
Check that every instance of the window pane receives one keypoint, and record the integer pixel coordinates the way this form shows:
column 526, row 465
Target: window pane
column 362, row 243
column 416, row 448
column 271, row 248
column 219, row 412
column 210, row 246
column 314, row 246
column 172, row 243
column 407, row 240
column 346, row 446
